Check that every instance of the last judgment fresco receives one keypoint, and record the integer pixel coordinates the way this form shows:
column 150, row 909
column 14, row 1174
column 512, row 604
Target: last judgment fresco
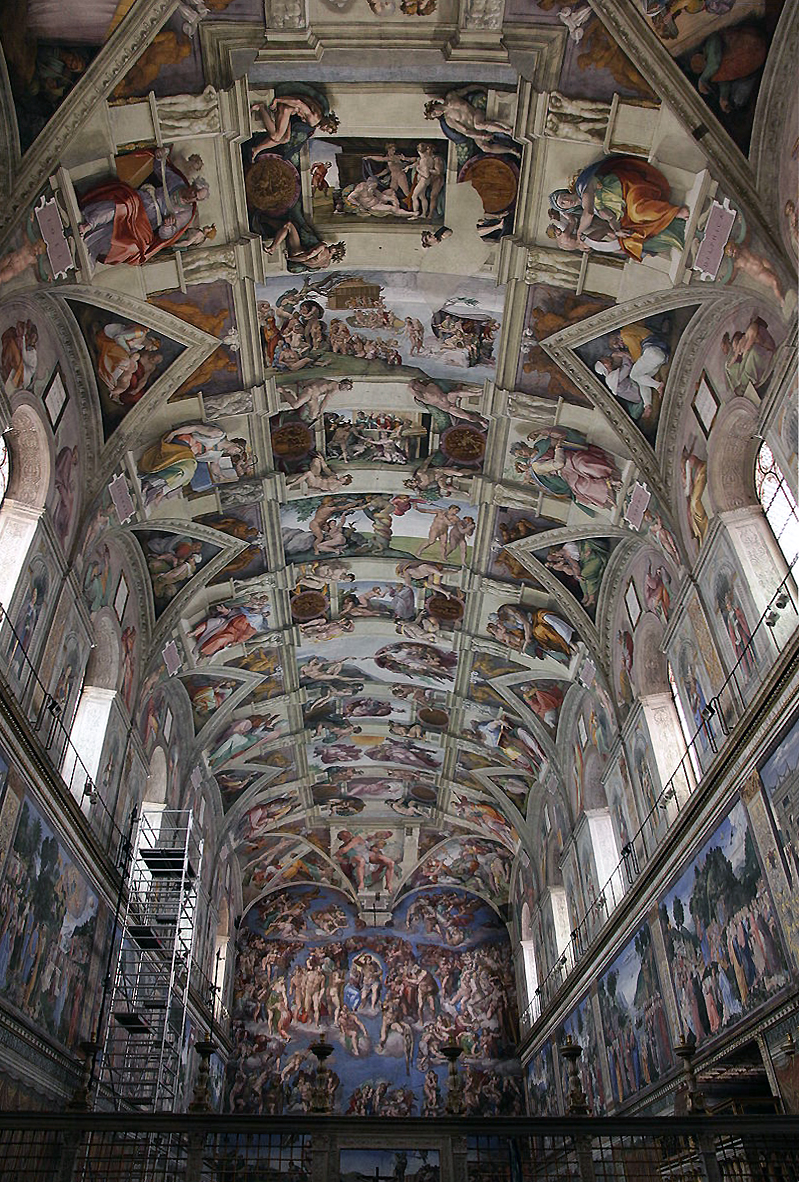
column 387, row 998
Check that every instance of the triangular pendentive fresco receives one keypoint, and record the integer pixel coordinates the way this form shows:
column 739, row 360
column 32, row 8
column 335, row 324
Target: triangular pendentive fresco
column 127, row 358
column 722, row 50
column 633, row 362
column 172, row 560
column 209, row 306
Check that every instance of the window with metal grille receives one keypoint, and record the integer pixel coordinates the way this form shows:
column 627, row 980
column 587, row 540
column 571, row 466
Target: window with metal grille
column 779, row 503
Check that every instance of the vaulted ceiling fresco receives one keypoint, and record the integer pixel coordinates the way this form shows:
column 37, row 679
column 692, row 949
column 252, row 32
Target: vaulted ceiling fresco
column 408, row 367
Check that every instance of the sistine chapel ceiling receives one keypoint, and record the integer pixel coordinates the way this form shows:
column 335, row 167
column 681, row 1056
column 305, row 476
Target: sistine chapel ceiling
column 395, row 335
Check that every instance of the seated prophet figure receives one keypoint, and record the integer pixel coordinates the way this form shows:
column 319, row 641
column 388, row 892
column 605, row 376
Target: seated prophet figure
column 618, row 205
column 123, row 224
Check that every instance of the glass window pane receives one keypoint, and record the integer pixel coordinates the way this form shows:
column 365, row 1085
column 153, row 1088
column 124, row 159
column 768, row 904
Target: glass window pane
column 778, row 503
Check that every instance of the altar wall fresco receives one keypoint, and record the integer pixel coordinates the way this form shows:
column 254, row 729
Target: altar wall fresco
column 386, row 999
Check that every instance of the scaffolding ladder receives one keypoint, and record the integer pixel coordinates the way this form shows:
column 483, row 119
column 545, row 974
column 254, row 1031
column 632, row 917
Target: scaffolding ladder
column 144, row 1056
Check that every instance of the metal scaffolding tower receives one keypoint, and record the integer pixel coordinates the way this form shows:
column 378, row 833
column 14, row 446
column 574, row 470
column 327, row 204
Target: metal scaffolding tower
column 144, row 1054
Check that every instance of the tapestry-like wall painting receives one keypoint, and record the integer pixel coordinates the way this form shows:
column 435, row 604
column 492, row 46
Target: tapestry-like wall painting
column 722, row 939
column 542, row 1089
column 637, row 1040
column 581, row 1028
column 48, row 924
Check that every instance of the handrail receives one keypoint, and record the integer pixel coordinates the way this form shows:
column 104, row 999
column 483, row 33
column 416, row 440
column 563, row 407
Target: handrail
column 53, row 736
column 215, row 1124
column 202, row 1146
column 673, row 797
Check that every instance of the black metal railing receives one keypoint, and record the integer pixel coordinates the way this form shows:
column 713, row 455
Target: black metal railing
column 718, row 719
column 87, row 1147
column 45, row 714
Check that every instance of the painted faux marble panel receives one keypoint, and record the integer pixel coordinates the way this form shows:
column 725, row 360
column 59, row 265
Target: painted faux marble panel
column 722, row 938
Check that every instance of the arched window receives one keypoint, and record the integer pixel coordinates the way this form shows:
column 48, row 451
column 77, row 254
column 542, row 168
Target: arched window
column 779, row 503
column 3, row 468
column 221, row 950
column 529, row 962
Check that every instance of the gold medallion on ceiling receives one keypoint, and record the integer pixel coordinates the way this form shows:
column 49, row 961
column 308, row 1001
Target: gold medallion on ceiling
column 308, row 605
column 273, row 185
column 464, row 444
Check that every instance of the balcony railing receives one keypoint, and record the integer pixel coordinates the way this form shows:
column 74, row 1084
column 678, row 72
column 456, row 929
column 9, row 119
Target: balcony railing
column 202, row 1148
column 45, row 714
column 719, row 718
